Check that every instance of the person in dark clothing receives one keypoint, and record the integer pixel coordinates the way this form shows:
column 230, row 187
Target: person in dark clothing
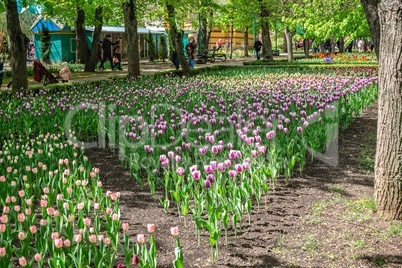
column 107, row 52
column 257, row 48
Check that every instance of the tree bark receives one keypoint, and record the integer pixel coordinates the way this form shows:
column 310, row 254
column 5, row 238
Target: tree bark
column 130, row 23
column 18, row 47
column 176, row 39
column 231, row 41
column 82, row 46
column 92, row 56
column 285, row 44
column 246, row 42
column 341, row 45
column 266, row 39
column 388, row 164
column 289, row 44
column 204, row 32
column 370, row 9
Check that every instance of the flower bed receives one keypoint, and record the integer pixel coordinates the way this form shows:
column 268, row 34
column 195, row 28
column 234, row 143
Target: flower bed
column 213, row 143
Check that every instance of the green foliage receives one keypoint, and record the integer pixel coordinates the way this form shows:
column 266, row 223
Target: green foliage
column 163, row 53
column 46, row 45
column 153, row 54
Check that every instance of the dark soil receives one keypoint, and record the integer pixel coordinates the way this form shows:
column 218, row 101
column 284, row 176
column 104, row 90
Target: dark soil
column 324, row 217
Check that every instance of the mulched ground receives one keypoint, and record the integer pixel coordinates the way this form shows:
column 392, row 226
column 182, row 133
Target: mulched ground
column 323, row 218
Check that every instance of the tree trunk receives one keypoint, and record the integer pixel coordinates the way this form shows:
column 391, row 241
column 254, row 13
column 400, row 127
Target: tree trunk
column 92, row 56
column 130, row 23
column 231, row 41
column 246, row 42
column 341, row 45
column 18, row 47
column 204, row 32
column 266, row 39
column 322, row 47
column 82, row 46
column 285, row 44
column 289, row 44
column 306, row 47
column 388, row 164
column 370, row 9
column 176, row 39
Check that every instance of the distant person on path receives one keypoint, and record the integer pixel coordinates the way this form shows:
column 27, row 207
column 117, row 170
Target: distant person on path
column 117, row 52
column 191, row 48
column 107, row 52
column 360, row 45
column 257, row 48
column 65, row 73
column 218, row 44
column 227, row 43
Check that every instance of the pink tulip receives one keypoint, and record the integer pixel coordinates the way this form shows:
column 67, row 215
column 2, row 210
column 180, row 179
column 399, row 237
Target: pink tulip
column 43, row 222
column 6, row 209
column 174, row 231
column 87, row 222
column 151, row 227
column 92, row 239
column 2, row 228
column 141, row 238
column 37, row 257
column 21, row 193
column 134, row 260
column 77, row 238
column 2, row 252
column 124, row 226
column 22, row 261
column 55, row 235
column 67, row 243
column 21, row 235
column 58, row 243
column 33, row 229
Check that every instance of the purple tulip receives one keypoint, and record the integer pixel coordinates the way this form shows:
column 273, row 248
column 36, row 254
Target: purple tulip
column 221, row 167
column 170, row 154
column 232, row 173
column 180, row 171
column 207, row 184
column 208, row 169
column 299, row 129
column 196, row 174
column 239, row 168
column 211, row 178
column 271, row 134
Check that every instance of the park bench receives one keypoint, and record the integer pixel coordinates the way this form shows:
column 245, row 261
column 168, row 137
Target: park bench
column 211, row 55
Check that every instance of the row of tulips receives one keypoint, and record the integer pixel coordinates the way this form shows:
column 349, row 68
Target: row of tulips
column 54, row 213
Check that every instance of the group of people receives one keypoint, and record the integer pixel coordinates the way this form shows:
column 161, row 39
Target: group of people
column 191, row 49
column 105, row 52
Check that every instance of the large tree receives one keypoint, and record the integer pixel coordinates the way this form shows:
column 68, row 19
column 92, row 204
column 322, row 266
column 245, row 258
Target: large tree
column 388, row 163
column 175, row 34
column 18, row 47
column 130, row 22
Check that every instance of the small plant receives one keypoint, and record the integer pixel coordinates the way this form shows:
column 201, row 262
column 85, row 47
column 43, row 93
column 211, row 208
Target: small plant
column 46, row 45
column 310, row 244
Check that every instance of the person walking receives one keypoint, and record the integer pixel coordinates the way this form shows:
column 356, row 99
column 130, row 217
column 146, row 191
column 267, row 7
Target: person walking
column 107, row 52
column 191, row 48
column 218, row 44
column 117, row 53
column 257, row 48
